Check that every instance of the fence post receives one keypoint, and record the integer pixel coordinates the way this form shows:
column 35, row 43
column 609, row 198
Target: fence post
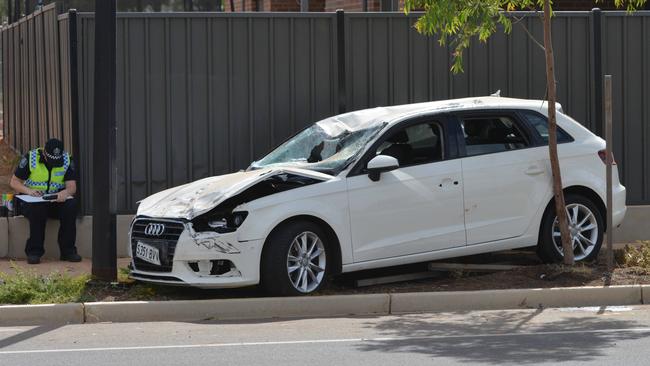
column 74, row 98
column 104, row 265
column 608, row 170
column 340, row 43
column 597, row 57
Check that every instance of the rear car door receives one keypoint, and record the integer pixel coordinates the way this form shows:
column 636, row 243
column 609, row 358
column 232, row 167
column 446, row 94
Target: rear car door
column 505, row 175
column 416, row 208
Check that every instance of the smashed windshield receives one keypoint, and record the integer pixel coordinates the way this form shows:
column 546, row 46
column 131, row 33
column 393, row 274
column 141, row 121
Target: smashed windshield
column 327, row 146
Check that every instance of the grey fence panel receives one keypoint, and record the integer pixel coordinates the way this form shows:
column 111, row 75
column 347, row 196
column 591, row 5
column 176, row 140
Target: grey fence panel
column 390, row 63
column 32, row 80
column 85, row 85
column 64, row 109
column 206, row 93
column 202, row 94
column 627, row 59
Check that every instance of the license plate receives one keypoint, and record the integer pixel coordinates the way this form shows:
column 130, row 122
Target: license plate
column 147, row 253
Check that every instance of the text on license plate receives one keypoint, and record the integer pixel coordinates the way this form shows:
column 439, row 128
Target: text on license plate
column 147, row 253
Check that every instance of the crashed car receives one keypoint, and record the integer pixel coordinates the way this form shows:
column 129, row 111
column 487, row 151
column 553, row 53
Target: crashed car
column 380, row 187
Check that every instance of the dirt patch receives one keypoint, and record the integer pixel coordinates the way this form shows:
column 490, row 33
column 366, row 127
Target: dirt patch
column 8, row 161
column 532, row 274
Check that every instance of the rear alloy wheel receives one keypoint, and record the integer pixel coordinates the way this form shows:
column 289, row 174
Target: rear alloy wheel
column 585, row 227
column 294, row 261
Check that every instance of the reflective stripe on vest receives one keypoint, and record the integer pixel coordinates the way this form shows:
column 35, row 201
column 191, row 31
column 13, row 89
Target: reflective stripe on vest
column 39, row 174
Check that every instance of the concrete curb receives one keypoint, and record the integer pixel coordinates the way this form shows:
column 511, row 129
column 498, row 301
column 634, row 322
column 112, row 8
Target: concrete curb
column 322, row 306
column 48, row 314
column 515, row 299
column 4, row 237
column 254, row 308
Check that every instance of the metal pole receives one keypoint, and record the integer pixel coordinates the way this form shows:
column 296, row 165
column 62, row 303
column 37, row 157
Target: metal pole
column 340, row 43
column 608, row 164
column 304, row 5
column 104, row 187
column 10, row 13
column 16, row 10
column 597, row 55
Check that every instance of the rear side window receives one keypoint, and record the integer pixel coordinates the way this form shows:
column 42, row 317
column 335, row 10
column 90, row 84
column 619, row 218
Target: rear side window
column 492, row 134
column 540, row 125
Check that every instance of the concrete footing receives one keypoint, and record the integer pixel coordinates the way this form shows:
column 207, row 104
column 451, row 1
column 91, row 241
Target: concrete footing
column 14, row 231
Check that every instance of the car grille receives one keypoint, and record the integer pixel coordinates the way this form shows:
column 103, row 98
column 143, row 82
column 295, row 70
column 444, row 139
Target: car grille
column 165, row 243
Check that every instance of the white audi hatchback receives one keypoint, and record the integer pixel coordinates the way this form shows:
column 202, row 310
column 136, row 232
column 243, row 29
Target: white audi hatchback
column 376, row 188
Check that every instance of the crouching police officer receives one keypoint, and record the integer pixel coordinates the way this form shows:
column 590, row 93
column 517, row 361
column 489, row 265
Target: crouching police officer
column 48, row 171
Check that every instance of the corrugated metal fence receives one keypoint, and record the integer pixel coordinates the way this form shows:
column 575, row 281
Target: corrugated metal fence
column 200, row 94
column 36, row 80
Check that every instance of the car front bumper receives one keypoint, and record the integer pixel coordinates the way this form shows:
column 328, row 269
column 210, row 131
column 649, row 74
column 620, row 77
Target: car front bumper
column 243, row 259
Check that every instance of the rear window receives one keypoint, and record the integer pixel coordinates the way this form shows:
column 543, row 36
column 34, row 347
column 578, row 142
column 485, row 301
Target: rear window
column 540, row 126
column 492, row 134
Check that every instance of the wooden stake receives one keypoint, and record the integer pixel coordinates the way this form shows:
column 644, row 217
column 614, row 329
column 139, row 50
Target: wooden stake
column 608, row 165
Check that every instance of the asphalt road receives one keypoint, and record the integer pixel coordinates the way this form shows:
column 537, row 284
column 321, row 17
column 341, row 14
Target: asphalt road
column 595, row 336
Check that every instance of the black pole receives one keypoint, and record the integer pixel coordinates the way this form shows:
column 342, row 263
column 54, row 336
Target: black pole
column 340, row 43
column 10, row 14
column 16, row 10
column 597, row 56
column 104, row 188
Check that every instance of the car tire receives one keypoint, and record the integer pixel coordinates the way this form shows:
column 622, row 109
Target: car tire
column 586, row 239
column 296, row 260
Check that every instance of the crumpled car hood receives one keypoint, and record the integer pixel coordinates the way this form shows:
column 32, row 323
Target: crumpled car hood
column 193, row 199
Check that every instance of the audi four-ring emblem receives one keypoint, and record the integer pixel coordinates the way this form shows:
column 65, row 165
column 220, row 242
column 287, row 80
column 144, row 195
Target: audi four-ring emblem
column 154, row 229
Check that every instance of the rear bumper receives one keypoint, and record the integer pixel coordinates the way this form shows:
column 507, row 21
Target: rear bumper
column 618, row 205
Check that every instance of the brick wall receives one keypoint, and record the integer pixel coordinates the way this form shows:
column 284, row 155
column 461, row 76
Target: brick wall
column 375, row 5
column 274, row 5
column 241, row 5
column 351, row 5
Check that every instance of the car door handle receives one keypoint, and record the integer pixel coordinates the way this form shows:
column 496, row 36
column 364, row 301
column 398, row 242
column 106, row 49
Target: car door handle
column 447, row 181
column 534, row 170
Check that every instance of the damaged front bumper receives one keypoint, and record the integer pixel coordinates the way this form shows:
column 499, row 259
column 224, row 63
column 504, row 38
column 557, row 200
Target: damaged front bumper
column 189, row 258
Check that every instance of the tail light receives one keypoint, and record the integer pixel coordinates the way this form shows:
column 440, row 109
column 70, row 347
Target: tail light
column 603, row 156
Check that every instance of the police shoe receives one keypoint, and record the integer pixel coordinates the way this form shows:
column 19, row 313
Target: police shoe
column 74, row 257
column 32, row 259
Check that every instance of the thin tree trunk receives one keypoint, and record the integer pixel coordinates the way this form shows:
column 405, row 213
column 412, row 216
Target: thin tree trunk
column 560, row 210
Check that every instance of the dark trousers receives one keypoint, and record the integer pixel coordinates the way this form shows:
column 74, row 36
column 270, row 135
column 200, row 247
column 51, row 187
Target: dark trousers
column 38, row 213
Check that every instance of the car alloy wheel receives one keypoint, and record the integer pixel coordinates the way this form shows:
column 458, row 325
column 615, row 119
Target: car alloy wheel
column 583, row 228
column 306, row 262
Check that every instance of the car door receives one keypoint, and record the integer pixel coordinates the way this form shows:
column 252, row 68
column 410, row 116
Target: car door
column 505, row 175
column 416, row 208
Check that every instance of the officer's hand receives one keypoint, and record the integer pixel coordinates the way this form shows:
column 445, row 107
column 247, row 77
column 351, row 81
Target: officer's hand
column 33, row 193
column 61, row 196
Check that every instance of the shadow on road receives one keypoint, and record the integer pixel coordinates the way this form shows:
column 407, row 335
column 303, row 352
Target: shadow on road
column 27, row 334
column 474, row 337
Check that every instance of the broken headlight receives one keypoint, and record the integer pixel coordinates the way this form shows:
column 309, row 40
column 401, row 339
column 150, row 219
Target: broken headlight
column 221, row 223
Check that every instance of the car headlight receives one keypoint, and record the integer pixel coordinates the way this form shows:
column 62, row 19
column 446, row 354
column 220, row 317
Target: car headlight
column 220, row 222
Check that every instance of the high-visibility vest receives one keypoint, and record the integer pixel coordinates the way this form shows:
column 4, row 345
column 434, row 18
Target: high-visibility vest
column 42, row 179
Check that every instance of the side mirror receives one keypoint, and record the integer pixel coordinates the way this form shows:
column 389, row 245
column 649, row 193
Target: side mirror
column 380, row 164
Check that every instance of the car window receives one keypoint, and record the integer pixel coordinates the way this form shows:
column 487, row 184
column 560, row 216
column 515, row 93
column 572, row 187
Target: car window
column 486, row 135
column 540, row 124
column 416, row 144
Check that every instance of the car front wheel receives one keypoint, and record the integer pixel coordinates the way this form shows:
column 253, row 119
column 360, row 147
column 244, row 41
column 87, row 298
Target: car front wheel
column 586, row 228
column 294, row 261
